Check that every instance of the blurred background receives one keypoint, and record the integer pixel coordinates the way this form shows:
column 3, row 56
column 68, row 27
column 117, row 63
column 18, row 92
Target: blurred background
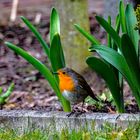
column 31, row 90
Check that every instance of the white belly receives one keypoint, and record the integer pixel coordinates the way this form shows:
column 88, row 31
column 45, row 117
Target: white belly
column 72, row 97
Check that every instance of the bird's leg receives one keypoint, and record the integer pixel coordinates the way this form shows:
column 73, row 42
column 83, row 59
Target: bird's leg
column 72, row 112
column 81, row 111
column 77, row 111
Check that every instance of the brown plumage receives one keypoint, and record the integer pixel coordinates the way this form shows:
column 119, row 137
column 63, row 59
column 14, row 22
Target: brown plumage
column 73, row 86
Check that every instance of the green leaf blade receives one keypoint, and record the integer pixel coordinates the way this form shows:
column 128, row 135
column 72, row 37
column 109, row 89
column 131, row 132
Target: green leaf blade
column 119, row 62
column 114, row 58
column 130, row 55
column 109, row 76
column 90, row 37
column 37, row 64
column 54, row 24
column 122, row 16
column 9, row 91
column 109, row 30
column 117, row 29
column 131, row 21
column 109, row 42
column 37, row 35
column 44, row 71
column 56, row 53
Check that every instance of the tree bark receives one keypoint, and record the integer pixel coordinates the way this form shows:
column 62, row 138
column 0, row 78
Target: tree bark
column 74, row 44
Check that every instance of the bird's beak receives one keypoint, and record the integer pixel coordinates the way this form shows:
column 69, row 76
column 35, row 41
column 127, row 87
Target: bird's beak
column 55, row 73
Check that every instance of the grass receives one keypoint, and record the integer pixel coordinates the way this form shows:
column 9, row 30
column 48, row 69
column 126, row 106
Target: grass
column 106, row 133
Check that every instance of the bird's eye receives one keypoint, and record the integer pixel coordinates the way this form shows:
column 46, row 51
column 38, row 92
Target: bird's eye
column 63, row 72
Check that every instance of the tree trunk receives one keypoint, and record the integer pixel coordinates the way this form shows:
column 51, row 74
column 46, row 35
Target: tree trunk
column 74, row 44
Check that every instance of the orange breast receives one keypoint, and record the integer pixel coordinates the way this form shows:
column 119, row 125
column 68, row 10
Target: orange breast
column 66, row 83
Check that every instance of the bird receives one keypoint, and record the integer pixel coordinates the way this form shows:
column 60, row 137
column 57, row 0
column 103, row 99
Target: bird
column 73, row 86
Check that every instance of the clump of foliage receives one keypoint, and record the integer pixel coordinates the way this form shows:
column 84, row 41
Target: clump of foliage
column 54, row 54
column 4, row 96
column 119, row 58
column 137, row 12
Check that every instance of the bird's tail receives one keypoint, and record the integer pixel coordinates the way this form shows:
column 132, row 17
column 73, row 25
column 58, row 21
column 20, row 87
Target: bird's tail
column 94, row 97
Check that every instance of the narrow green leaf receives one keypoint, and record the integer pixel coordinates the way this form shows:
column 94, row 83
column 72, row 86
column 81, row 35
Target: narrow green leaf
column 37, row 35
column 44, row 71
column 118, row 74
column 129, row 53
column 57, row 62
column 56, row 53
column 108, row 35
column 8, row 92
column 112, row 57
column 54, row 24
column 90, row 37
column 109, row 30
column 66, row 104
column 131, row 21
column 122, row 16
column 5, row 95
column 37, row 64
column 117, row 29
column 0, row 90
column 108, row 75
column 119, row 62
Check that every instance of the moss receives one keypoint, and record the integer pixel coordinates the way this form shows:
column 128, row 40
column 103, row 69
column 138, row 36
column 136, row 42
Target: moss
column 137, row 12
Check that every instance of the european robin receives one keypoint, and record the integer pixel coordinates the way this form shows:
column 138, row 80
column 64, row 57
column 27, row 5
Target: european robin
column 73, row 86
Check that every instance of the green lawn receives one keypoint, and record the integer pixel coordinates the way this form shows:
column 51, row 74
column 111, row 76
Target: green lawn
column 107, row 133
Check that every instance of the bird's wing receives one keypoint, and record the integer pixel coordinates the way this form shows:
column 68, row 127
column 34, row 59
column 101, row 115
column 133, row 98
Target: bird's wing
column 84, row 85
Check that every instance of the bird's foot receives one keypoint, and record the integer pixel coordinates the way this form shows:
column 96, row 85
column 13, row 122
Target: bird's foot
column 71, row 113
column 77, row 112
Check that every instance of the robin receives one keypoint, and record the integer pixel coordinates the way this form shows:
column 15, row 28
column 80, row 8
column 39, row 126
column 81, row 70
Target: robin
column 73, row 86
